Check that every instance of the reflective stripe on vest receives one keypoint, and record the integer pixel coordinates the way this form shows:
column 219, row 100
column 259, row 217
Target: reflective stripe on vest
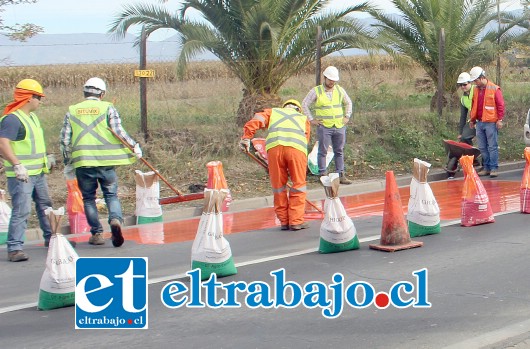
column 287, row 128
column 489, row 109
column 329, row 111
column 30, row 151
column 93, row 144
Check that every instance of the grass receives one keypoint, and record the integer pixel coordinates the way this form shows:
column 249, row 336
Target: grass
column 192, row 122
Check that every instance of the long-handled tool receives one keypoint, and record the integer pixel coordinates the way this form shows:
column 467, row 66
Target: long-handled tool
column 266, row 167
column 180, row 196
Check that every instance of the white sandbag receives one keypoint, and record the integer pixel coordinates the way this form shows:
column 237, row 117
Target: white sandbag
column 5, row 216
column 337, row 231
column 148, row 208
column 57, row 285
column 312, row 162
column 423, row 213
column 210, row 250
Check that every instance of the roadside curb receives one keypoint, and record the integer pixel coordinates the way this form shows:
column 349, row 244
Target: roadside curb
column 267, row 201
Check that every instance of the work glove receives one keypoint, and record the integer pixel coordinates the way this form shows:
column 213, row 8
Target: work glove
column 244, row 144
column 21, row 173
column 138, row 151
column 69, row 172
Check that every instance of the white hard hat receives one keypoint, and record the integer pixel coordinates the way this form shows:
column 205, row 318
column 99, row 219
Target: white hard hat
column 95, row 85
column 476, row 72
column 331, row 73
column 463, row 78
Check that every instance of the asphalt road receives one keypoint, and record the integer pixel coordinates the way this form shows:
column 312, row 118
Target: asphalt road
column 478, row 282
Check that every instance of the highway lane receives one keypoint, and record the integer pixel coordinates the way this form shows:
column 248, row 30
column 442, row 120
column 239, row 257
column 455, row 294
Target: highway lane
column 478, row 287
column 478, row 283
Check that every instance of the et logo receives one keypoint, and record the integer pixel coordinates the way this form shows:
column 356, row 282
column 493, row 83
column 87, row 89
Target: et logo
column 111, row 293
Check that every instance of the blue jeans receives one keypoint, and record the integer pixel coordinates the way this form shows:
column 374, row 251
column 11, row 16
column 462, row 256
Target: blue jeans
column 22, row 194
column 487, row 144
column 337, row 138
column 88, row 179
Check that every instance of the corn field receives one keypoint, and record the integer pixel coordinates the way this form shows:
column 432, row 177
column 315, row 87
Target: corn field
column 74, row 75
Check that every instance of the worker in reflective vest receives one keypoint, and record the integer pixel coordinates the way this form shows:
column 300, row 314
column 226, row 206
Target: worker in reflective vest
column 24, row 151
column 333, row 109
column 487, row 113
column 286, row 145
column 91, row 152
column 465, row 133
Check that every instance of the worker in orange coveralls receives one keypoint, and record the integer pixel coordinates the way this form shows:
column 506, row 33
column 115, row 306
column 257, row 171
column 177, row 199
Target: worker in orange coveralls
column 286, row 145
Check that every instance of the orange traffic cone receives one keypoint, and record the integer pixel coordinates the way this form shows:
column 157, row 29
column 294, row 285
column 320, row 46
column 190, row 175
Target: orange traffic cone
column 216, row 180
column 394, row 233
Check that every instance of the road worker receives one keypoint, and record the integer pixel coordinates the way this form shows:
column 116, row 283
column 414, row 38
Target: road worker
column 286, row 145
column 487, row 114
column 92, row 151
column 333, row 109
column 25, row 162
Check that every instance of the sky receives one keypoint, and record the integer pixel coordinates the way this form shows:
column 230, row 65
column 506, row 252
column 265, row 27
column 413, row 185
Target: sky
column 95, row 16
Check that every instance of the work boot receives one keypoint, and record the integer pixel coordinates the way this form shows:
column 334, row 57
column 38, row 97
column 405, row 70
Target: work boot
column 304, row 225
column 344, row 179
column 17, row 256
column 47, row 243
column 115, row 229
column 284, row 227
column 493, row 173
column 96, row 239
column 484, row 173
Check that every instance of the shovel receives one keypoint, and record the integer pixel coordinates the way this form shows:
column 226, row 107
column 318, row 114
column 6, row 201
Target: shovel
column 163, row 201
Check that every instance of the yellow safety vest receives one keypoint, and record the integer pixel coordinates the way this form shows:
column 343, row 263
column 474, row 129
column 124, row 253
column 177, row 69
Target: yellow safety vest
column 330, row 112
column 93, row 145
column 287, row 128
column 31, row 151
column 466, row 100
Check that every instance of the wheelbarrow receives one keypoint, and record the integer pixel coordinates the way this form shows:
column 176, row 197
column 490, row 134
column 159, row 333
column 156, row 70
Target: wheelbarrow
column 455, row 150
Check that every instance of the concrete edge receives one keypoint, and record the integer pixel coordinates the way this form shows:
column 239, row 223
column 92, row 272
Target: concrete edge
column 267, row 201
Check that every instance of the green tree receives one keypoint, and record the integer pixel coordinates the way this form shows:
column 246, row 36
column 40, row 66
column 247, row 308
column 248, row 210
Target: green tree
column 263, row 42
column 413, row 34
column 18, row 32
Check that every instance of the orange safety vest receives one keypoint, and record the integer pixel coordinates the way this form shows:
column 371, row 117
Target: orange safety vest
column 489, row 109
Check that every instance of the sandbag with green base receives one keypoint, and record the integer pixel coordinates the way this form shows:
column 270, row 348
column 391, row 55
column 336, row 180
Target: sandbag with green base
column 312, row 162
column 210, row 251
column 148, row 209
column 423, row 214
column 57, row 285
column 337, row 231
column 5, row 217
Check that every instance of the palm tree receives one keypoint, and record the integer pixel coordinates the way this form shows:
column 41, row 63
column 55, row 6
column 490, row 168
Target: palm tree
column 413, row 35
column 263, row 42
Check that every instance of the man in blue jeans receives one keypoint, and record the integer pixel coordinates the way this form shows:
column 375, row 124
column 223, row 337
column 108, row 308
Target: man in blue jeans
column 487, row 113
column 24, row 151
column 333, row 109
column 92, row 150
